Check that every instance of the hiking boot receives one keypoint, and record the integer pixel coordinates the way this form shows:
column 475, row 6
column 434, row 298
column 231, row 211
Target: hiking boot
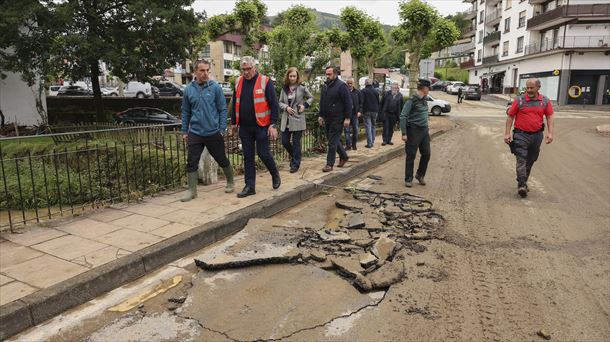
column 420, row 179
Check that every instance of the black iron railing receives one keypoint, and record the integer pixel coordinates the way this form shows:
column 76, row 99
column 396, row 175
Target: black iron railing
column 46, row 176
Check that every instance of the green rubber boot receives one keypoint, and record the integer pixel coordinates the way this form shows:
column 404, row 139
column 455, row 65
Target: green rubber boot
column 192, row 190
column 229, row 176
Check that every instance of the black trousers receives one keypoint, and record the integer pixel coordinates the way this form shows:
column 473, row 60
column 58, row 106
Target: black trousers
column 417, row 138
column 256, row 138
column 333, row 133
column 526, row 147
column 389, row 122
column 216, row 146
column 294, row 148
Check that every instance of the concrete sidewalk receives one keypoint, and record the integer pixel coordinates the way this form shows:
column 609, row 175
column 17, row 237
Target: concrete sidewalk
column 48, row 269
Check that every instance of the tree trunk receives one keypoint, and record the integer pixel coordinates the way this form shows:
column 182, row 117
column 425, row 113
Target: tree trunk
column 355, row 75
column 413, row 72
column 370, row 64
column 97, row 94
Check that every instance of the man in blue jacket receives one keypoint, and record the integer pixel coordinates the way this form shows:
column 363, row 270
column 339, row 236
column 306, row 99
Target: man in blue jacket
column 204, row 121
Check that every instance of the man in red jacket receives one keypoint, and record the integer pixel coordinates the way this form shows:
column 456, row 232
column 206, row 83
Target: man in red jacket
column 527, row 112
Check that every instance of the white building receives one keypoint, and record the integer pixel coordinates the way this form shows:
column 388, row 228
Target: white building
column 18, row 100
column 564, row 43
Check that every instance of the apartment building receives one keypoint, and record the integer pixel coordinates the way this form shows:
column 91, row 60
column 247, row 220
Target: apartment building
column 564, row 43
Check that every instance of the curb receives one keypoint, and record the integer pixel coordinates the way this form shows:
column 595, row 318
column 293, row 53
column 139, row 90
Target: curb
column 40, row 306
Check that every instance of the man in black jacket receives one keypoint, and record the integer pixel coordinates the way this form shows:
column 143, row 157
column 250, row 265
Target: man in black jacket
column 335, row 112
column 351, row 138
column 370, row 108
column 390, row 109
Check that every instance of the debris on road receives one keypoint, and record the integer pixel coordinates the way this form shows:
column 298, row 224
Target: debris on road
column 361, row 247
column 542, row 333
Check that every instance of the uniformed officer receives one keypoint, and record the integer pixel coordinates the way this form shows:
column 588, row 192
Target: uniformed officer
column 415, row 134
column 527, row 112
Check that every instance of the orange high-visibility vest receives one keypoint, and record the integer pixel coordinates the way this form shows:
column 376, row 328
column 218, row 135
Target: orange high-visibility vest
column 261, row 107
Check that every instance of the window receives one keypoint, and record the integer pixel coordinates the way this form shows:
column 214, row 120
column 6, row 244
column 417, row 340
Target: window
column 479, row 55
column 521, row 19
column 480, row 36
column 505, row 49
column 206, row 51
column 509, row 4
column 507, row 25
column 481, row 17
column 520, row 44
column 228, row 64
column 228, row 47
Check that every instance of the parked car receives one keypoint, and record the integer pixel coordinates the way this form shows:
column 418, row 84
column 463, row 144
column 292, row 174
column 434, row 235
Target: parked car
column 438, row 106
column 472, row 92
column 169, row 88
column 454, row 87
column 110, row 91
column 446, row 86
column 438, row 85
column 146, row 115
column 74, row 90
column 138, row 89
column 226, row 89
column 54, row 89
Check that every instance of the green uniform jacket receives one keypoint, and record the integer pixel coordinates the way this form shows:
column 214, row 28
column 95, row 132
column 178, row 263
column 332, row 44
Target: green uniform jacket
column 414, row 113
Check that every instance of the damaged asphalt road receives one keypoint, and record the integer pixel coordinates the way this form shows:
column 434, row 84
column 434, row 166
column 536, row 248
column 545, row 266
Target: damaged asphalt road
column 365, row 247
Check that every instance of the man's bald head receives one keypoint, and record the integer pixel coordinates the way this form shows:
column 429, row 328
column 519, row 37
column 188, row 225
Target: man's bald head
column 532, row 86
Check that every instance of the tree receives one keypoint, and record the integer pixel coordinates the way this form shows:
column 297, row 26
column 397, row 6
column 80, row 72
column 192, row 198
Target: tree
column 136, row 39
column 25, row 43
column 293, row 39
column 364, row 37
column 422, row 31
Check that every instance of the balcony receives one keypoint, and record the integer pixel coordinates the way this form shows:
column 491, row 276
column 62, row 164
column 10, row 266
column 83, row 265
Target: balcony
column 573, row 42
column 468, row 64
column 494, row 16
column 564, row 14
column 490, row 59
column 492, row 37
column 470, row 14
column 469, row 31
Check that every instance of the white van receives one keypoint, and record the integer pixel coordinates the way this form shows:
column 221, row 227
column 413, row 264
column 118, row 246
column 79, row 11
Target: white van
column 137, row 89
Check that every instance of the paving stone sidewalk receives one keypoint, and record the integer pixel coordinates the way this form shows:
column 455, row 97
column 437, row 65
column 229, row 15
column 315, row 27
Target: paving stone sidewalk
column 44, row 255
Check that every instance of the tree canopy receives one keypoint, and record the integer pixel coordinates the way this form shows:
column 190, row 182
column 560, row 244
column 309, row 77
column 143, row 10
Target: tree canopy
column 422, row 31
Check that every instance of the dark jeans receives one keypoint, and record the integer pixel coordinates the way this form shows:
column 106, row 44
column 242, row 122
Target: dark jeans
column 333, row 133
column 417, row 138
column 216, row 146
column 294, row 149
column 256, row 138
column 527, row 149
column 389, row 122
column 460, row 98
column 351, row 132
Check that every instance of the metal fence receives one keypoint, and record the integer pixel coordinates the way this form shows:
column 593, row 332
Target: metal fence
column 46, row 176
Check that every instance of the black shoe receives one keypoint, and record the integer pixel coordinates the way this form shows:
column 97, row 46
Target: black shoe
column 383, row 144
column 348, row 148
column 522, row 191
column 354, row 148
column 390, row 143
column 368, row 146
column 276, row 181
column 247, row 191
column 294, row 169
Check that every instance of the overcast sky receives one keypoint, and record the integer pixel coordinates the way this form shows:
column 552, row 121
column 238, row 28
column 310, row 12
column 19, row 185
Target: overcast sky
column 386, row 11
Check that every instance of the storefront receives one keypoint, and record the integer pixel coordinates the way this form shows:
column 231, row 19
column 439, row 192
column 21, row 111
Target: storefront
column 588, row 87
column 549, row 83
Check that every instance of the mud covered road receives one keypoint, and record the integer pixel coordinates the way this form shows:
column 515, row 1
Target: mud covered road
column 501, row 268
